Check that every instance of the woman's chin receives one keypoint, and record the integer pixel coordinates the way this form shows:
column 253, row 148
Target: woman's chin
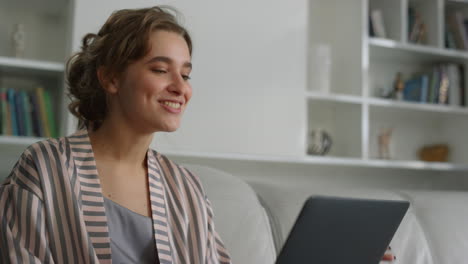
column 169, row 128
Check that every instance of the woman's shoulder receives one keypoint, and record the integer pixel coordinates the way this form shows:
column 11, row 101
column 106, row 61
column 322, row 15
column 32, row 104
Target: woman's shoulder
column 26, row 173
column 55, row 147
column 47, row 149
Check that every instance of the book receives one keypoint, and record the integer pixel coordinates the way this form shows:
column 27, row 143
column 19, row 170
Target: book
column 378, row 23
column 455, row 22
column 12, row 111
column 50, row 114
column 453, row 74
column 19, row 108
column 412, row 90
column 371, row 28
column 424, row 88
column 3, row 117
column 461, row 69
column 411, row 18
column 450, row 39
column 434, row 80
column 43, row 112
column 27, row 114
column 9, row 128
column 443, row 86
column 6, row 117
column 38, row 131
column 2, row 121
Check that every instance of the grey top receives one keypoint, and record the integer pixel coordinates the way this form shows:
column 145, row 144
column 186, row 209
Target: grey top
column 131, row 235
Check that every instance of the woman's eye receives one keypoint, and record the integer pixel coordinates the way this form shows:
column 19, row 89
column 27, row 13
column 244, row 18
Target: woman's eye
column 159, row 71
column 186, row 77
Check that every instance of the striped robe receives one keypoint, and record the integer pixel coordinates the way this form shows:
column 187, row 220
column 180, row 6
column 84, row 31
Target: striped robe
column 52, row 209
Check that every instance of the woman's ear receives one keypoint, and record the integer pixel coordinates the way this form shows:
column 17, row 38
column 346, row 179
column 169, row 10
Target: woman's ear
column 108, row 83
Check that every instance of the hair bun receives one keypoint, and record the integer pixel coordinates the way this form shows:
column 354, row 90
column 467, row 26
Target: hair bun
column 88, row 39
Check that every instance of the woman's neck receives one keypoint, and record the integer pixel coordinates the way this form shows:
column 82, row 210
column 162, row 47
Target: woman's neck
column 116, row 142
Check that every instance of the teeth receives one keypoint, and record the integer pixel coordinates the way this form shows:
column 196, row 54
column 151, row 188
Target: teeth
column 173, row 105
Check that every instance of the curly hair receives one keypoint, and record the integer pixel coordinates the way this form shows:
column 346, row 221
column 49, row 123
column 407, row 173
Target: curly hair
column 123, row 39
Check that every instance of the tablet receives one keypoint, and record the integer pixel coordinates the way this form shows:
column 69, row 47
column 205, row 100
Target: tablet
column 342, row 230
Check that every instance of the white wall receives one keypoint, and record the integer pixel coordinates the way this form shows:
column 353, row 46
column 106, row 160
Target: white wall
column 248, row 78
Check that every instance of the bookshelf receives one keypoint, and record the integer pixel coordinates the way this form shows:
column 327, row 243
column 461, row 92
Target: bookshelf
column 353, row 109
column 46, row 34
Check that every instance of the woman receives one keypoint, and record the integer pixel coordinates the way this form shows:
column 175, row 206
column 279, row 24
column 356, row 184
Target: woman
column 101, row 195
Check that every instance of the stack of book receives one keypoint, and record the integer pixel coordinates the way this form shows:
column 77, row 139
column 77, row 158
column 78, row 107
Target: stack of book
column 456, row 33
column 26, row 113
column 445, row 84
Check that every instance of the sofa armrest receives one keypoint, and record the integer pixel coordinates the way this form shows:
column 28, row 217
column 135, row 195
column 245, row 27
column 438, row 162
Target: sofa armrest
column 240, row 219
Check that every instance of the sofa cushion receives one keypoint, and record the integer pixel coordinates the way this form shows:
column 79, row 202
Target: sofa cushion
column 285, row 201
column 443, row 216
column 240, row 219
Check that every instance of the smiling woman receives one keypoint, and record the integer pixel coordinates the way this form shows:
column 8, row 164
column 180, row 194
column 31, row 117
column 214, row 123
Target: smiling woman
column 101, row 195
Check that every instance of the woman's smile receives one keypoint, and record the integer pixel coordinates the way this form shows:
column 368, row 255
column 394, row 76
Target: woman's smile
column 172, row 107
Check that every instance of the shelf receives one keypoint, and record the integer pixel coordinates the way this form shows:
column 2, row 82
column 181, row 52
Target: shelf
column 457, row 3
column 7, row 62
column 17, row 140
column 395, row 50
column 418, row 106
column 353, row 99
column 320, row 160
column 417, row 165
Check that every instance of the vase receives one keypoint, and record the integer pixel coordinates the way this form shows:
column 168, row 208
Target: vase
column 320, row 142
column 19, row 40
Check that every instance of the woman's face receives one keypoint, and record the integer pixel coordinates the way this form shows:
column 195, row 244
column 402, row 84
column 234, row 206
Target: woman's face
column 154, row 91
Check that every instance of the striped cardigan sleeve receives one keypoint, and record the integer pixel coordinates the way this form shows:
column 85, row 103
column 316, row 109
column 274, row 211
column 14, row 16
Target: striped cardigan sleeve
column 23, row 234
column 217, row 252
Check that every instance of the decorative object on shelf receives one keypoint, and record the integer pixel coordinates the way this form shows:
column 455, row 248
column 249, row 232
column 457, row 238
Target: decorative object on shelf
column 398, row 87
column 19, row 40
column 321, row 68
column 417, row 30
column 434, row 153
column 386, row 92
column 384, row 138
column 456, row 34
column 320, row 142
column 377, row 24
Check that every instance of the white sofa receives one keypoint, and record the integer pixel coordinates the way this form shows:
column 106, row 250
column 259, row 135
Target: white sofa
column 255, row 217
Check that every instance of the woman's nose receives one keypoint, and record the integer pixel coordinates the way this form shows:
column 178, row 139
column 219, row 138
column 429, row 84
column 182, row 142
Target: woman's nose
column 178, row 84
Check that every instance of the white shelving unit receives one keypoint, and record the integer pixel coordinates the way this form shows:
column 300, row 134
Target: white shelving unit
column 352, row 111
column 47, row 35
